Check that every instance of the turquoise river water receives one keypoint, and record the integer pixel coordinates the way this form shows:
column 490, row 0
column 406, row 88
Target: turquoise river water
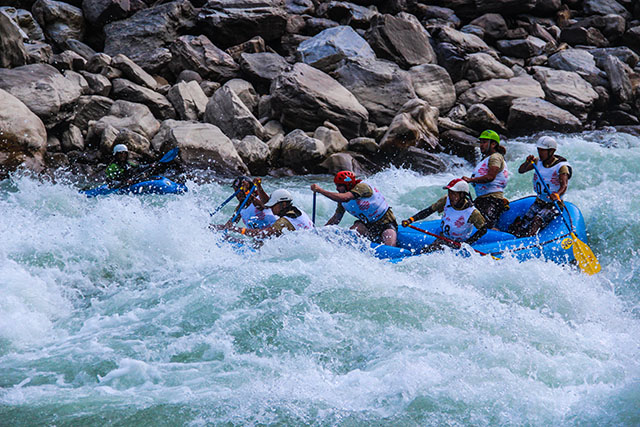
column 125, row 311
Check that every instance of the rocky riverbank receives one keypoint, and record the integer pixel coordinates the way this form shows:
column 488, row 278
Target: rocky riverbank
column 300, row 86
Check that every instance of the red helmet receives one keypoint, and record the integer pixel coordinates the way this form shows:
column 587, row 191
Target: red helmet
column 346, row 178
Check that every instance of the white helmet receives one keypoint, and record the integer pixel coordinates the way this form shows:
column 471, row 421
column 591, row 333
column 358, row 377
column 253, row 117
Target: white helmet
column 547, row 143
column 458, row 185
column 278, row 196
column 120, row 148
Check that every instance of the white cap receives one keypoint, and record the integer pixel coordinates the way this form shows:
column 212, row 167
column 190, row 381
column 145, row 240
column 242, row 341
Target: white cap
column 547, row 143
column 458, row 185
column 120, row 148
column 278, row 196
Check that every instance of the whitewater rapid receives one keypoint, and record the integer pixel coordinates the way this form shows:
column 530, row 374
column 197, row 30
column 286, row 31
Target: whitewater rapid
column 129, row 310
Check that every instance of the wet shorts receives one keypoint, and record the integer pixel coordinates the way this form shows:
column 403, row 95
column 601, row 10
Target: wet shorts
column 376, row 229
column 543, row 210
column 491, row 208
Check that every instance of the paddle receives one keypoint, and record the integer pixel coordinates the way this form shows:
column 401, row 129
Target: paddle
column 587, row 261
column 244, row 202
column 169, row 156
column 223, row 204
column 451, row 242
column 313, row 212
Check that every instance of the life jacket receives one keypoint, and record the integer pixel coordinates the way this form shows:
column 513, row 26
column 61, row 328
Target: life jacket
column 498, row 184
column 301, row 222
column 550, row 176
column 368, row 209
column 455, row 223
column 256, row 218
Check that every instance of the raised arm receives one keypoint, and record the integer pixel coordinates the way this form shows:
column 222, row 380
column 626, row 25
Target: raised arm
column 527, row 165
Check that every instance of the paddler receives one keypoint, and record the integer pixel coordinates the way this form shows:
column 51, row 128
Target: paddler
column 490, row 178
column 459, row 216
column 375, row 218
column 556, row 172
column 289, row 217
column 120, row 169
column 255, row 214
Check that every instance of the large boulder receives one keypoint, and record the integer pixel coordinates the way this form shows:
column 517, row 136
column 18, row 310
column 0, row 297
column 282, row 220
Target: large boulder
column 493, row 24
column 623, row 53
column 498, row 94
column 246, row 92
column 325, row 50
column 619, row 81
column 197, row 53
column 126, row 115
column 567, row 90
column 299, row 149
column 230, row 23
column 419, row 160
column 401, row 39
column 480, row 117
column 42, row 88
column 605, row 7
column 188, row 99
column 60, row 21
column 381, row 87
column 345, row 162
column 145, row 36
column 579, row 61
column 433, row 84
column 453, row 59
column 133, row 71
column 416, row 125
column 157, row 103
column 254, row 153
column 522, row 48
column 529, row 115
column 467, row 43
column 332, row 139
column 227, row 111
column 345, row 13
column 305, row 97
column 12, row 51
column 261, row 68
column 578, row 35
column 482, row 66
column 101, row 12
column 90, row 108
column 202, row 145
column 23, row 137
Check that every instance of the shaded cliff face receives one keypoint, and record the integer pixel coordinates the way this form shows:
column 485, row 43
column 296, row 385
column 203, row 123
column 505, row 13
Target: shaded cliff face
column 404, row 75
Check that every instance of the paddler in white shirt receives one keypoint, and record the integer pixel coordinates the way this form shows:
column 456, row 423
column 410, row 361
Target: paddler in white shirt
column 375, row 218
column 255, row 214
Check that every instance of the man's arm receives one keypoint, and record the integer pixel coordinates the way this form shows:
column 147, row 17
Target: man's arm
column 479, row 222
column 336, row 197
column 490, row 176
column 262, row 195
column 337, row 216
column 527, row 165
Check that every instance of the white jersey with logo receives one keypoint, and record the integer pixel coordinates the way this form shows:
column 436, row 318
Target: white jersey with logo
column 256, row 218
column 498, row 184
column 455, row 224
column 302, row 222
column 368, row 209
column 551, row 177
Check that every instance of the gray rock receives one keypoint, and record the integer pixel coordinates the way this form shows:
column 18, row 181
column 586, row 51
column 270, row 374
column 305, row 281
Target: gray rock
column 458, row 113
column 202, row 145
column 91, row 108
column 133, row 71
column 254, row 153
column 632, row 38
column 299, row 149
column 482, row 66
column 347, row 13
column 230, row 23
column 498, row 94
column 275, row 146
column 43, row 89
column 332, row 139
column 528, row 115
column 101, row 12
column 460, row 144
column 380, row 86
column 473, row 29
column 25, row 23
column 245, row 92
column 209, row 88
column 467, row 43
column 415, row 125
column 364, row 145
column 145, row 36
column 623, row 53
column 23, row 136
column 325, row 50
column 60, row 21
column 129, row 91
column 620, row 83
column 126, row 115
column 81, row 49
column 305, row 97
column 493, row 24
column 433, row 84
column 480, row 117
column 300, row 7
column 97, row 62
column 576, row 35
column 262, row 68
column 522, row 48
column 273, row 128
column 400, row 39
column 134, row 141
column 197, row 53
column 343, row 161
column 579, row 61
column 567, row 90
column 419, row 160
column 12, row 51
column 605, row 7
column 611, row 26
column 68, row 60
column 72, row 139
column 188, row 99
column 188, row 75
column 38, row 53
column 227, row 111
column 98, row 84
column 453, row 59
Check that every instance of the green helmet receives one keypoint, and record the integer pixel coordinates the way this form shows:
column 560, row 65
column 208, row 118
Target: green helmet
column 489, row 134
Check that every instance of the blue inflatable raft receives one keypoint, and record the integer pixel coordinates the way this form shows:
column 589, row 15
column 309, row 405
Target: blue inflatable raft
column 552, row 243
column 156, row 185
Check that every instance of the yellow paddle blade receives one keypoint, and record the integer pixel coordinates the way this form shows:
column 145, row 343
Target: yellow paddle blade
column 587, row 261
